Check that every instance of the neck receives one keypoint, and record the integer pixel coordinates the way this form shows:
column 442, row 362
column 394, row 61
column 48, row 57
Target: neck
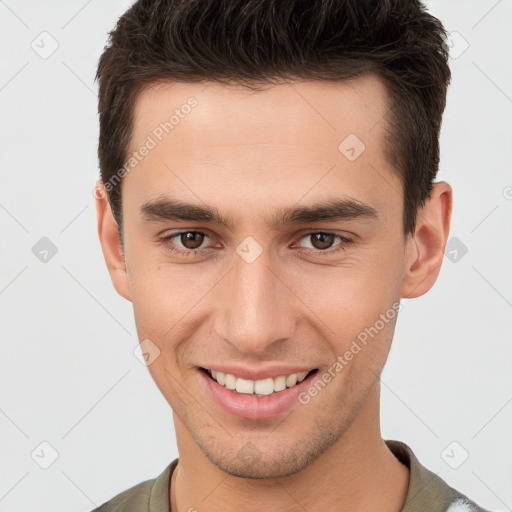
column 358, row 473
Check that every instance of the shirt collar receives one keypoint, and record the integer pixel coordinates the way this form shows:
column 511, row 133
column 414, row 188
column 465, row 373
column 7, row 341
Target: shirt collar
column 427, row 492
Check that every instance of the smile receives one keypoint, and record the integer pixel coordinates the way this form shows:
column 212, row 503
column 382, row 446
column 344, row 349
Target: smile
column 263, row 387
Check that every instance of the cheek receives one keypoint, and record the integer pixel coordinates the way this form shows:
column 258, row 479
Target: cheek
column 169, row 302
column 350, row 299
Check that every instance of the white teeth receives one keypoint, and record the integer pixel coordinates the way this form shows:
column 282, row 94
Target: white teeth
column 301, row 376
column 244, row 386
column 229, row 381
column 280, row 383
column 291, row 380
column 258, row 387
column 264, row 387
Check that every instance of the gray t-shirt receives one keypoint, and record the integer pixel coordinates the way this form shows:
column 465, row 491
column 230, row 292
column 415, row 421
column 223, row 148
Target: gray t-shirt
column 426, row 493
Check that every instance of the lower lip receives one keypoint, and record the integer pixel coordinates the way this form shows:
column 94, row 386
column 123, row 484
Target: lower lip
column 251, row 406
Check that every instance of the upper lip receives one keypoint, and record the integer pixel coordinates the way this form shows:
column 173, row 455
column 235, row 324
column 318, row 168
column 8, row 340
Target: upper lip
column 258, row 373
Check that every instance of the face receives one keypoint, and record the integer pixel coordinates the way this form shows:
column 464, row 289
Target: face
column 262, row 239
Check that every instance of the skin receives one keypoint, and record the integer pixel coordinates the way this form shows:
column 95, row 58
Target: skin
column 250, row 154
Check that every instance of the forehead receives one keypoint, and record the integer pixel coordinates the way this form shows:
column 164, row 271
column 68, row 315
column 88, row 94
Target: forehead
column 210, row 138
column 284, row 113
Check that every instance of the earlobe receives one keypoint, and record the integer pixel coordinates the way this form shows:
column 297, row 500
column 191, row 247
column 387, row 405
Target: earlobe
column 110, row 242
column 425, row 247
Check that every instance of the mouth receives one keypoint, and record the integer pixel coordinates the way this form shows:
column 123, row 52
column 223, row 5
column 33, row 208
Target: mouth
column 261, row 387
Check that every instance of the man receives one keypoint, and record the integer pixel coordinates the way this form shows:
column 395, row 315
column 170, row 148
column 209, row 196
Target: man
column 266, row 199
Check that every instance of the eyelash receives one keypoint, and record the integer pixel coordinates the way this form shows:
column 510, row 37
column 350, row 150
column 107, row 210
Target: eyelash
column 345, row 242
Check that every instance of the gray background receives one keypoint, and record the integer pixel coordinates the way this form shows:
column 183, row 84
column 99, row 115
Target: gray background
column 68, row 373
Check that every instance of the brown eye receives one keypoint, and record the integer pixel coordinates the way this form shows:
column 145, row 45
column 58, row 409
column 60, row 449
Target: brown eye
column 186, row 243
column 325, row 243
column 191, row 239
column 322, row 240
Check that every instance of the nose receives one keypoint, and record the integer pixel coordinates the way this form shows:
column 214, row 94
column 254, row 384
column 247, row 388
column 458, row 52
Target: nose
column 256, row 307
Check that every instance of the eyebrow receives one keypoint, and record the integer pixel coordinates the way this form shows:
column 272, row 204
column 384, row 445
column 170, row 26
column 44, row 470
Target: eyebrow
column 335, row 209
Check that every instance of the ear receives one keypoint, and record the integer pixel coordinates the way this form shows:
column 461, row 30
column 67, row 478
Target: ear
column 110, row 242
column 424, row 249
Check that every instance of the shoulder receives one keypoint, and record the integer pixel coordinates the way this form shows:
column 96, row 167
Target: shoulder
column 148, row 496
column 133, row 499
column 427, row 491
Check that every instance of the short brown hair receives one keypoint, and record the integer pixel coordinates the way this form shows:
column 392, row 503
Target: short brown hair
column 269, row 41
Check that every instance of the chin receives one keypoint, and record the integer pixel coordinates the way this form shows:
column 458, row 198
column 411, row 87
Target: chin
column 276, row 461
